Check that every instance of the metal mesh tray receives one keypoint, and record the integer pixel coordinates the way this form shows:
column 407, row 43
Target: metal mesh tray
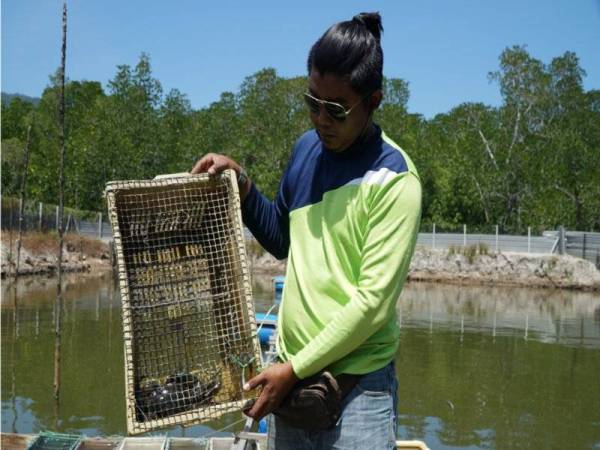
column 188, row 318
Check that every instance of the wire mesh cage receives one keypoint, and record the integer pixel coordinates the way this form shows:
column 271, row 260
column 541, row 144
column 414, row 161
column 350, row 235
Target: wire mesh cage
column 188, row 318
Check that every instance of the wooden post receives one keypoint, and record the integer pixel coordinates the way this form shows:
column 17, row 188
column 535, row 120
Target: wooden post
column 562, row 245
column 19, row 235
column 57, row 218
column 100, row 226
column 40, row 213
column 22, row 199
column 113, row 259
column 11, row 231
column 61, row 192
column 496, row 238
column 465, row 235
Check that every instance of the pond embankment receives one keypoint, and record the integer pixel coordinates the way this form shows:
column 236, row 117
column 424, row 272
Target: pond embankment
column 39, row 254
column 470, row 265
column 506, row 269
column 477, row 266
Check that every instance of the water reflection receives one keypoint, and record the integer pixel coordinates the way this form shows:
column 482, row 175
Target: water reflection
column 83, row 361
column 560, row 316
column 499, row 368
column 89, row 360
column 478, row 367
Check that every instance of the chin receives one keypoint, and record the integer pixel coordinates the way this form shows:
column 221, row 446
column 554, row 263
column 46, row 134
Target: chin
column 338, row 147
column 333, row 145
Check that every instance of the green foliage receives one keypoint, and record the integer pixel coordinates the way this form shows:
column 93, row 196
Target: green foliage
column 254, row 249
column 533, row 161
column 470, row 251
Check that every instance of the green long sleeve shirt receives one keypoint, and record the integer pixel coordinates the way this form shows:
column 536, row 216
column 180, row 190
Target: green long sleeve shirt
column 348, row 224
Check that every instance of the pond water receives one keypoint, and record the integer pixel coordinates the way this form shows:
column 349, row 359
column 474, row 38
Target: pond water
column 478, row 367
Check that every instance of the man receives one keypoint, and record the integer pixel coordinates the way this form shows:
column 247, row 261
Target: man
column 346, row 216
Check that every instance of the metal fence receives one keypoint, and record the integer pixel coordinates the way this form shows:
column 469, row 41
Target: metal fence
column 581, row 244
column 497, row 243
column 38, row 216
column 586, row 245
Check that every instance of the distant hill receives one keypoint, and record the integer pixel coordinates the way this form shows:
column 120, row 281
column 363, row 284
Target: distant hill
column 7, row 98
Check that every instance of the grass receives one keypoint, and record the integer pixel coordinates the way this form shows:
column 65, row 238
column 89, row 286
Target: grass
column 254, row 249
column 470, row 251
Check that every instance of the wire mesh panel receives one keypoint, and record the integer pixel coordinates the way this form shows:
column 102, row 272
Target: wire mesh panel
column 188, row 318
column 100, row 443
column 55, row 441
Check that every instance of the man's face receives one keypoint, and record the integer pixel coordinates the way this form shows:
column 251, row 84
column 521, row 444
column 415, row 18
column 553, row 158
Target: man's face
column 337, row 135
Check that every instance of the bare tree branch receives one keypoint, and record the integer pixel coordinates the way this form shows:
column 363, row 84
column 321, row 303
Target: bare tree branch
column 567, row 193
column 483, row 202
column 488, row 148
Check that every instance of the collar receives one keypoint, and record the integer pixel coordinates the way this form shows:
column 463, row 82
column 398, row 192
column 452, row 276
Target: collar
column 364, row 141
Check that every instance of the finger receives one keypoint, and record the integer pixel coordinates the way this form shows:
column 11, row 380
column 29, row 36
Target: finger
column 212, row 169
column 219, row 165
column 203, row 163
column 258, row 380
column 248, row 405
column 259, row 407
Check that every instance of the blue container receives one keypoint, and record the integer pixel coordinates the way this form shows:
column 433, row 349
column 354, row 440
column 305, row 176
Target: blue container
column 279, row 282
column 262, row 426
column 269, row 323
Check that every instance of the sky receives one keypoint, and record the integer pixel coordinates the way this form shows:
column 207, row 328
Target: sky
column 443, row 49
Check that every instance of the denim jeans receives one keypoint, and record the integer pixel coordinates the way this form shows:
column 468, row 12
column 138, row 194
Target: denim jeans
column 368, row 419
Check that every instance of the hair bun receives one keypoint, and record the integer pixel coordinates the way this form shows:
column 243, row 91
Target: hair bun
column 372, row 21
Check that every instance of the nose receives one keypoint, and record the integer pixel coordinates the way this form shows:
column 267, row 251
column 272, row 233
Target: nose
column 323, row 117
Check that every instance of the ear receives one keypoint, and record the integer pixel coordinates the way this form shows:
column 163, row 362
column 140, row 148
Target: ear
column 375, row 100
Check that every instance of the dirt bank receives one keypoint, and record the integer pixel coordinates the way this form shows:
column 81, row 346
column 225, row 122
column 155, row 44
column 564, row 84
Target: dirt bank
column 39, row 254
column 479, row 267
column 508, row 269
column 471, row 265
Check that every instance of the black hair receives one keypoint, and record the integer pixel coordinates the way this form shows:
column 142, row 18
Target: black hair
column 351, row 49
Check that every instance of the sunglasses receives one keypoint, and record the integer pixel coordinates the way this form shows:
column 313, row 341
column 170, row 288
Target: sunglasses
column 335, row 110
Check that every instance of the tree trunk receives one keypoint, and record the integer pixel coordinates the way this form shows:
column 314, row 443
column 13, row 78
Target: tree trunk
column 22, row 200
column 61, row 117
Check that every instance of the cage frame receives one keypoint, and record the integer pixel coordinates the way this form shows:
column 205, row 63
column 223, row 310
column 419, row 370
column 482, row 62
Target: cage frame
column 201, row 415
column 69, row 441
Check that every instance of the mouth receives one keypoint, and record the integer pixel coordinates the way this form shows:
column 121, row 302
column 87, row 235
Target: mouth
column 329, row 140
column 326, row 136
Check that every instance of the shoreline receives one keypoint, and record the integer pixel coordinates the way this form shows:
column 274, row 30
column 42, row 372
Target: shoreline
column 457, row 266
column 462, row 267
column 81, row 254
column 504, row 269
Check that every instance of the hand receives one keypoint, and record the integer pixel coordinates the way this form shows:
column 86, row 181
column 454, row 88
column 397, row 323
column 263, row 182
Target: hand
column 276, row 381
column 213, row 164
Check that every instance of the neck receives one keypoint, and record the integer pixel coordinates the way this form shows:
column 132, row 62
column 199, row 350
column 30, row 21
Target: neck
column 364, row 135
column 360, row 144
column 367, row 131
